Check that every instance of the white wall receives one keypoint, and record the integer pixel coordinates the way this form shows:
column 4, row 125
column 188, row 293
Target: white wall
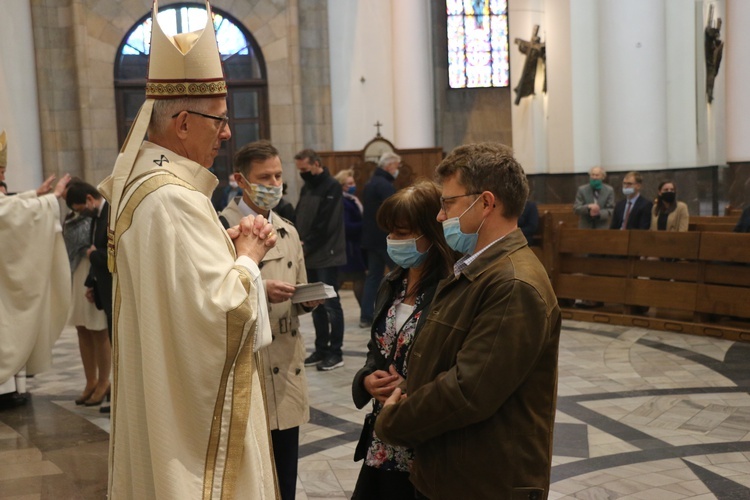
column 558, row 37
column 381, row 70
column 584, row 61
column 19, row 111
column 361, row 71
column 632, row 84
column 681, row 89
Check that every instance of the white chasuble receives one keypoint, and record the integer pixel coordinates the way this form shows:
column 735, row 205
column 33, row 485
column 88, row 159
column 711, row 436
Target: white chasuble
column 188, row 416
column 34, row 282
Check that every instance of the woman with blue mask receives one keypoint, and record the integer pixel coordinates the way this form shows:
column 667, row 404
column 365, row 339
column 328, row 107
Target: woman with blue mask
column 417, row 246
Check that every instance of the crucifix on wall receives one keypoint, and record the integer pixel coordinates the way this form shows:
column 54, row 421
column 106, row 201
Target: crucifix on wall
column 378, row 125
column 714, row 47
column 534, row 49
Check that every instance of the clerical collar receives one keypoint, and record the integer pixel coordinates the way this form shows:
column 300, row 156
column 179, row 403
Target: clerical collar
column 246, row 210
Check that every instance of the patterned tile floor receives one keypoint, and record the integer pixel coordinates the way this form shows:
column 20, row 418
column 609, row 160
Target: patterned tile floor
column 641, row 415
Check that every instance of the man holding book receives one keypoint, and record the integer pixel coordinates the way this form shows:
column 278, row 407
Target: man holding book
column 258, row 172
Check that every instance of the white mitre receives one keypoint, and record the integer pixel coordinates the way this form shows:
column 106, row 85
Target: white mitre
column 179, row 66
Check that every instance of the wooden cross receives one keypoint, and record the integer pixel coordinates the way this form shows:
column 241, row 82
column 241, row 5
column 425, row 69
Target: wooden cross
column 378, row 125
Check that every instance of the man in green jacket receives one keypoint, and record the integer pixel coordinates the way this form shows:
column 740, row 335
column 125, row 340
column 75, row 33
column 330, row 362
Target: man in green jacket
column 482, row 383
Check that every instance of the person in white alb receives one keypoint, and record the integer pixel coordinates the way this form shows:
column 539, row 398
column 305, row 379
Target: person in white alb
column 34, row 282
column 188, row 413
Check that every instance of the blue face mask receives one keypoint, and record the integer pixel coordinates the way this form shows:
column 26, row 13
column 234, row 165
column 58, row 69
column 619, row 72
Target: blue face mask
column 404, row 252
column 458, row 240
column 351, row 189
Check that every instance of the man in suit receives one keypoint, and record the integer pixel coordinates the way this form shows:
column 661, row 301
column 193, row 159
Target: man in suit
column 595, row 201
column 634, row 212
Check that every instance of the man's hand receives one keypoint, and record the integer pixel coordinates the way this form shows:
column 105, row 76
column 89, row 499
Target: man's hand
column 594, row 209
column 90, row 295
column 278, row 291
column 380, row 384
column 61, row 185
column 312, row 304
column 394, row 398
column 90, row 250
column 46, row 186
column 253, row 237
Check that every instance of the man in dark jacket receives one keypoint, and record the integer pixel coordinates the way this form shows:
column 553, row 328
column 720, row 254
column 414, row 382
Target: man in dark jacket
column 320, row 223
column 376, row 191
column 634, row 212
column 481, row 391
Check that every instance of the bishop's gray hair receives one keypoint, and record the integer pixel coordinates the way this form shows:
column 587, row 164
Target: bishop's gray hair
column 165, row 109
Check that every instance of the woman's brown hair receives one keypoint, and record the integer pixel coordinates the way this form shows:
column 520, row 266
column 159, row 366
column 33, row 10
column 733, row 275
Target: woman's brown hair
column 415, row 209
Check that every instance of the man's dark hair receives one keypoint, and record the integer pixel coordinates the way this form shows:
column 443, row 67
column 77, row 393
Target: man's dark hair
column 252, row 152
column 310, row 155
column 488, row 166
column 77, row 192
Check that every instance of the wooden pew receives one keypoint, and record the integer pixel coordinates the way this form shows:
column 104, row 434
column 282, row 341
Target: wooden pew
column 713, row 223
column 692, row 282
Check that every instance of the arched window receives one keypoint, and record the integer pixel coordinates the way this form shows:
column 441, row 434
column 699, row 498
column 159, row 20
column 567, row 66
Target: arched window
column 478, row 43
column 244, row 69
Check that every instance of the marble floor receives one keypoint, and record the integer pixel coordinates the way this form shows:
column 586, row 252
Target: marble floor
column 641, row 415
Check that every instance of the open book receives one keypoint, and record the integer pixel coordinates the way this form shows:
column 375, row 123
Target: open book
column 312, row 291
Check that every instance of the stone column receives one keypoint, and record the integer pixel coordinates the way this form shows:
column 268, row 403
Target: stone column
column 736, row 69
column 632, row 83
column 412, row 74
column 18, row 97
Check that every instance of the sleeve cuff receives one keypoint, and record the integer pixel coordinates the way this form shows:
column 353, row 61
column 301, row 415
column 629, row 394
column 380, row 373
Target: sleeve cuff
column 249, row 264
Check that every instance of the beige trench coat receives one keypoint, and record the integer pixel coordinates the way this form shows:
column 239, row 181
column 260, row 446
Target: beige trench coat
column 284, row 359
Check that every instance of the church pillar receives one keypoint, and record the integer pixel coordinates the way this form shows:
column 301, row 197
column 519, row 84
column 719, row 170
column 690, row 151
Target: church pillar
column 736, row 68
column 413, row 108
column 528, row 117
column 18, row 97
column 632, row 83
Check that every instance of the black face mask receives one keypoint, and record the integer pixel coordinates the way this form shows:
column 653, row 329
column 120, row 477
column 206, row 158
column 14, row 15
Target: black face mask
column 307, row 176
column 668, row 197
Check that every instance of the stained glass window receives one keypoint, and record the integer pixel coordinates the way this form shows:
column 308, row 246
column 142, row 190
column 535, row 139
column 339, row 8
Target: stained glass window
column 477, row 43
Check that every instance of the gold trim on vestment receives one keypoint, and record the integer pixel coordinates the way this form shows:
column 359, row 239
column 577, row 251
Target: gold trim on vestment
column 236, row 320
column 117, row 303
column 124, row 221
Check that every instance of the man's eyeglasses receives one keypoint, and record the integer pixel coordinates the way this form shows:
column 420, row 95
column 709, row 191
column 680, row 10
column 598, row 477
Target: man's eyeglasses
column 222, row 119
column 443, row 200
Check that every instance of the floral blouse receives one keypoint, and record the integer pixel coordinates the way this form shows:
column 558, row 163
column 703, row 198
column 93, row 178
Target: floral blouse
column 381, row 455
